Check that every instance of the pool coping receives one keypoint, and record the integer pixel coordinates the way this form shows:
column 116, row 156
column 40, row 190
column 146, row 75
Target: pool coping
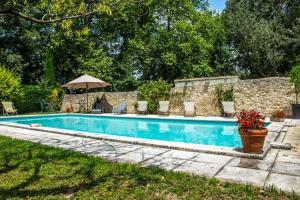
column 274, row 131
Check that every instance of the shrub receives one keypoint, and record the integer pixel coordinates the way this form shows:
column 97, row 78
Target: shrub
column 153, row 92
column 34, row 95
column 223, row 94
column 10, row 86
column 295, row 79
column 55, row 98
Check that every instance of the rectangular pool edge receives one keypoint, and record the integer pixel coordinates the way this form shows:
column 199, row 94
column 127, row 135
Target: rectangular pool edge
column 159, row 143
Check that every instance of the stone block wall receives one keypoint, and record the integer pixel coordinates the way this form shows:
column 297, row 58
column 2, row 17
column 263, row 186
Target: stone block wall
column 208, row 81
column 77, row 102
column 265, row 95
column 206, row 102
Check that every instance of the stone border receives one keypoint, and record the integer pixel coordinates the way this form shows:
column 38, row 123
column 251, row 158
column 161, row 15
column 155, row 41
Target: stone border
column 274, row 130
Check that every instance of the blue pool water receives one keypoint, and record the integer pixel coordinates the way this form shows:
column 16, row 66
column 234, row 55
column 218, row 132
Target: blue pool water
column 217, row 133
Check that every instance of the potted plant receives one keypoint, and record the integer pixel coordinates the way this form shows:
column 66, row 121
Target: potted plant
column 295, row 80
column 252, row 130
column 277, row 116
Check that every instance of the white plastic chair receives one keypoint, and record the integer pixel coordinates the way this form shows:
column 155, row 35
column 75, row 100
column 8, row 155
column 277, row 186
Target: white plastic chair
column 142, row 106
column 189, row 109
column 228, row 108
column 164, row 107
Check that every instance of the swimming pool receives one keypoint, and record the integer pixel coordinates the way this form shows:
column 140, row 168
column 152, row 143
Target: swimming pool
column 215, row 133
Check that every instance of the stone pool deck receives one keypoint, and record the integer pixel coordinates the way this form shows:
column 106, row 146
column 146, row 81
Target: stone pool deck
column 280, row 168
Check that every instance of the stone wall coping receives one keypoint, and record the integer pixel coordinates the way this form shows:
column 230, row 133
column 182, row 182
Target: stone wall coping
column 206, row 78
column 264, row 79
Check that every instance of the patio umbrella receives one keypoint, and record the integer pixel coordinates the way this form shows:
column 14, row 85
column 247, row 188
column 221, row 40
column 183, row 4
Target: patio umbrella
column 86, row 82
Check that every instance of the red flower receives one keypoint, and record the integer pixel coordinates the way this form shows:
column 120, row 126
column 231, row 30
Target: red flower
column 251, row 120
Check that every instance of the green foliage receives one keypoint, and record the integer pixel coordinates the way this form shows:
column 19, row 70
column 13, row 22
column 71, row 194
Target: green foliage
column 153, row 92
column 50, row 67
column 264, row 42
column 295, row 79
column 96, row 64
column 151, row 40
column 33, row 97
column 55, row 98
column 223, row 94
column 10, row 86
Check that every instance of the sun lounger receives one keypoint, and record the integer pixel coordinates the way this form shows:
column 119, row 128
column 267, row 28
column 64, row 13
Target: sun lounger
column 189, row 109
column 121, row 108
column 163, row 107
column 228, row 108
column 142, row 107
column 8, row 108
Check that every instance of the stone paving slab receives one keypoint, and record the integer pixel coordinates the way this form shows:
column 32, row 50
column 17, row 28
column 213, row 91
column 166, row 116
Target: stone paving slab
column 284, row 182
column 199, row 168
column 211, row 158
column 163, row 162
column 133, row 157
column 179, row 154
column 243, row 175
column 286, row 168
column 287, row 157
column 250, row 163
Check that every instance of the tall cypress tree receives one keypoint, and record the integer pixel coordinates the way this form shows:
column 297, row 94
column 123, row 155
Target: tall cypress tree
column 50, row 67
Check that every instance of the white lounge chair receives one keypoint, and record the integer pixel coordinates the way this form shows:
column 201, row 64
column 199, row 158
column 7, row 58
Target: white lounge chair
column 142, row 107
column 8, row 108
column 228, row 108
column 163, row 107
column 121, row 108
column 189, row 109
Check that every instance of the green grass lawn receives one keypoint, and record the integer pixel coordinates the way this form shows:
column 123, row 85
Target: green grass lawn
column 34, row 171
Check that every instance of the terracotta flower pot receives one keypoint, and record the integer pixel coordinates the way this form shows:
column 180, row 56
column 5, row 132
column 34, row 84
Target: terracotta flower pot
column 253, row 140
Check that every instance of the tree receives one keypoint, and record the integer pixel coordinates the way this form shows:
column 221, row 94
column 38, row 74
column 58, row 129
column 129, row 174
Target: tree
column 53, row 11
column 50, row 67
column 10, row 86
column 153, row 92
column 258, row 34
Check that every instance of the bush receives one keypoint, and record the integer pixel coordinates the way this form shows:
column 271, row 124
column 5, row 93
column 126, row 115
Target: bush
column 153, row 92
column 295, row 79
column 33, row 96
column 55, row 98
column 10, row 86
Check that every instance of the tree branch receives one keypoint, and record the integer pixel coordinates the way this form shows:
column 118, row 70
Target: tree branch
column 21, row 15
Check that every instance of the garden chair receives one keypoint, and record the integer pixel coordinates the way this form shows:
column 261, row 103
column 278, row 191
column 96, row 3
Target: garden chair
column 98, row 109
column 121, row 108
column 164, row 107
column 189, row 109
column 228, row 108
column 45, row 106
column 8, row 108
column 142, row 107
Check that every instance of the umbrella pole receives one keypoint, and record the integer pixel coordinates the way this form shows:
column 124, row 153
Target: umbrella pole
column 87, row 98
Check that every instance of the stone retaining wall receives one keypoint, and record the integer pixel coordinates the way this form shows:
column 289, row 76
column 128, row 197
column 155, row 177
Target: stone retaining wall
column 265, row 95
column 77, row 102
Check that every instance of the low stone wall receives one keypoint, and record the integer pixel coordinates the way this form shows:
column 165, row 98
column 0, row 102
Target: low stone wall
column 77, row 102
column 265, row 95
